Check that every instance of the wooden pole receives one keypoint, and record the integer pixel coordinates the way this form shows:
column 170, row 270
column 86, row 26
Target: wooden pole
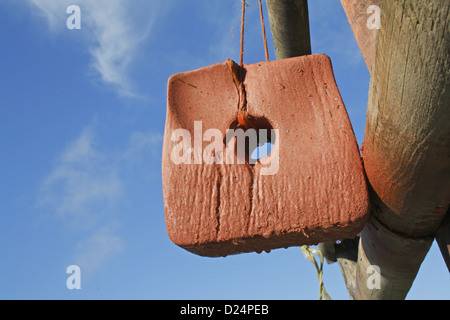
column 356, row 11
column 443, row 239
column 346, row 254
column 406, row 150
column 289, row 23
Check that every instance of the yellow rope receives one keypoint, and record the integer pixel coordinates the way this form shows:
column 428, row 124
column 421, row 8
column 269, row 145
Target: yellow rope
column 309, row 252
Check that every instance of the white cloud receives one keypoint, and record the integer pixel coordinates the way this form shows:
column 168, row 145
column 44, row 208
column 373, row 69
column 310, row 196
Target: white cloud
column 141, row 143
column 49, row 10
column 83, row 185
column 86, row 187
column 87, row 182
column 96, row 251
column 82, row 189
column 115, row 30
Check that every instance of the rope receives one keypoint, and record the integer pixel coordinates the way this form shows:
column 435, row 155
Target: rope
column 243, row 118
column 309, row 252
column 266, row 51
column 241, row 55
column 237, row 71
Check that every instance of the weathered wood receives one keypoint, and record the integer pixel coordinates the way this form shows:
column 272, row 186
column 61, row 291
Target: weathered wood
column 289, row 23
column 397, row 257
column 356, row 11
column 407, row 139
column 406, row 150
column 346, row 254
column 357, row 16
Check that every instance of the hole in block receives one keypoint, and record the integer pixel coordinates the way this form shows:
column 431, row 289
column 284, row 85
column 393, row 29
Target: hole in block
column 251, row 144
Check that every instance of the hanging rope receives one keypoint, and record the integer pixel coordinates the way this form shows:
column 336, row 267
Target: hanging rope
column 308, row 253
column 266, row 51
column 244, row 121
column 236, row 74
column 237, row 71
column 241, row 55
column 263, row 28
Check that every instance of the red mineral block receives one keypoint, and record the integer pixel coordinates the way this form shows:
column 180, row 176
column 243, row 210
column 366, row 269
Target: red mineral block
column 310, row 188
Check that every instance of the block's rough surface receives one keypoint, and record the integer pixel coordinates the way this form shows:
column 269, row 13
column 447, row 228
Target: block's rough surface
column 319, row 192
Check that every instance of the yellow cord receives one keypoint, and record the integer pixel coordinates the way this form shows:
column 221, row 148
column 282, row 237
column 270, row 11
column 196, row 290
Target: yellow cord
column 309, row 252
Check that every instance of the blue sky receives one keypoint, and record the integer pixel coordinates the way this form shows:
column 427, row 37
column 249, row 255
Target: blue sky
column 81, row 126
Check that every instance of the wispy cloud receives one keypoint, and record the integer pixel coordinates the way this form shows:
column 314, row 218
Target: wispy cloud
column 141, row 143
column 86, row 187
column 98, row 249
column 83, row 183
column 115, row 30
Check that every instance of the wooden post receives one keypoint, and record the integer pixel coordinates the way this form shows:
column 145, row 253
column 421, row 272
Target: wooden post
column 289, row 23
column 356, row 11
column 346, row 254
column 406, row 150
